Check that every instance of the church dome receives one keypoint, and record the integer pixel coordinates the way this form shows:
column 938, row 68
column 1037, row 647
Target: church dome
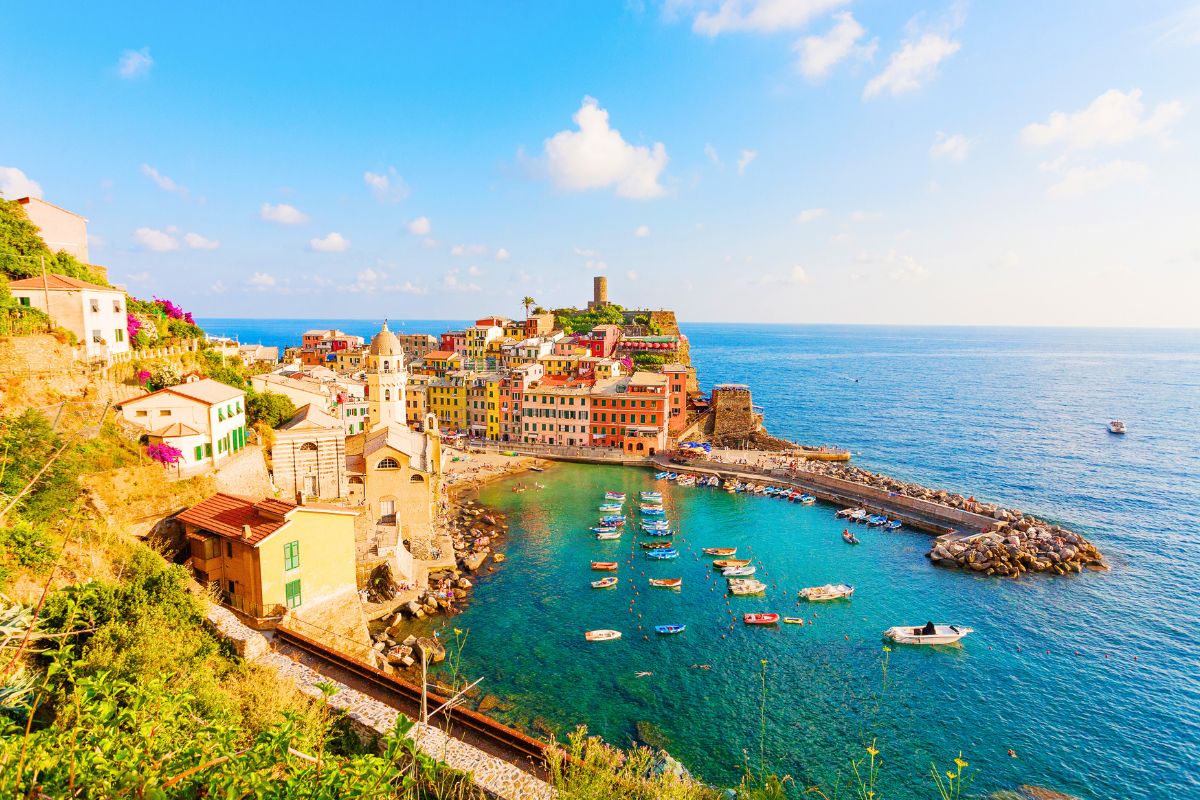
column 385, row 343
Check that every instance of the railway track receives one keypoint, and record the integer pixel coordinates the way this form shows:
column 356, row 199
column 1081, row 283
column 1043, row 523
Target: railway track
column 474, row 728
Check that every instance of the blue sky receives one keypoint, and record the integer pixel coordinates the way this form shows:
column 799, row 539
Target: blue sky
column 761, row 160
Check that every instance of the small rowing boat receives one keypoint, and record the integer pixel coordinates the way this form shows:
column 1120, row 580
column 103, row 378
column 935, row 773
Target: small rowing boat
column 722, row 563
column 613, row 519
column 658, row 476
column 651, row 497
column 830, row 591
column 807, row 499
column 760, row 619
column 655, row 525
column 602, row 636
column 604, row 566
column 738, row 572
column 666, row 583
column 719, row 551
column 849, row 537
column 656, row 545
column 610, row 507
column 652, row 511
column 845, row 512
column 746, row 586
column 603, row 529
column 662, row 555
column 605, row 583
column 614, row 496
column 659, row 532
column 538, row 469
column 927, row 634
column 893, row 525
column 608, row 535
column 669, row 629
column 794, row 620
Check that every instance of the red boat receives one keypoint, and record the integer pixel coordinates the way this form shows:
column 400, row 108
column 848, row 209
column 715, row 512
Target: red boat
column 849, row 537
column 760, row 619
column 606, row 566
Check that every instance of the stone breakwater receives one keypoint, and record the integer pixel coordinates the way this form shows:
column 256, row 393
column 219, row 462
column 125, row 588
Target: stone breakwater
column 1018, row 543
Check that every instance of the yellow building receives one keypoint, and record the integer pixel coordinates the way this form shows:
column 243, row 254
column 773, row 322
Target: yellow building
column 269, row 557
column 416, row 403
column 447, row 398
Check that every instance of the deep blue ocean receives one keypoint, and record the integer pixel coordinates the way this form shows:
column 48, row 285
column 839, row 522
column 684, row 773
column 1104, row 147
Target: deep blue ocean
column 1092, row 680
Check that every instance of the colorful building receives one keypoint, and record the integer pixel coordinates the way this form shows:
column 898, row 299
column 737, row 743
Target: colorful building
column 95, row 314
column 557, row 412
column 677, row 380
column 630, row 413
column 204, row 419
column 601, row 341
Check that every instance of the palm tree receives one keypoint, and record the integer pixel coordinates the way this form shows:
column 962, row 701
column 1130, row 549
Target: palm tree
column 528, row 301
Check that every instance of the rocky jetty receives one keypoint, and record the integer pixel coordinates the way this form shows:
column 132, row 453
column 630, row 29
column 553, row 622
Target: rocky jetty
column 475, row 531
column 1018, row 543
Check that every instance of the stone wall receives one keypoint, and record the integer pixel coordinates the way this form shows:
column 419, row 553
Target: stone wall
column 312, row 461
column 733, row 413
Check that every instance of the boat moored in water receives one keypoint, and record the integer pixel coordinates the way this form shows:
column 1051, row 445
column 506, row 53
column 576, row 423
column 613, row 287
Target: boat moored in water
column 666, row 583
column 719, row 551
column 830, row 591
column 656, row 545
column 807, row 499
column 1116, row 426
column 663, row 554
column 929, row 633
column 614, row 496
column 794, row 620
column 738, row 572
column 604, row 566
column 669, row 629
column 760, row 619
column 602, row 635
column 605, row 583
column 607, row 535
column 610, row 507
column 722, row 563
column 746, row 586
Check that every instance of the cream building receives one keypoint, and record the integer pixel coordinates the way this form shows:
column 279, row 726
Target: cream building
column 308, row 457
column 60, row 229
column 387, row 380
column 205, row 419
column 95, row 314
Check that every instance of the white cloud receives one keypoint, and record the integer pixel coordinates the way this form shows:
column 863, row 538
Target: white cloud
column 595, row 266
column 198, row 242
column 817, row 55
column 366, row 280
column 469, row 250
column 745, row 159
column 950, row 147
column 218, row 287
column 631, row 276
column 163, row 182
column 408, row 287
column 138, row 277
column 134, row 63
column 283, row 214
column 596, row 157
column 810, row 214
column 502, row 254
column 453, row 283
column 1113, row 118
column 913, row 64
column 712, row 154
column 862, row 216
column 762, row 16
column 14, row 184
column 474, row 271
column 586, row 252
column 1080, row 180
column 156, row 240
column 261, row 280
column 641, row 231
column 421, row 226
column 332, row 243
column 904, row 268
column 798, row 274
column 387, row 187
column 841, row 238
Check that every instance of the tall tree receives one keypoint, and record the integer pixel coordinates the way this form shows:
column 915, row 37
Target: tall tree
column 528, row 301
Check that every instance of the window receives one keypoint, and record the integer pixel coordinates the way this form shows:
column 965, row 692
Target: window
column 387, row 463
column 119, row 335
column 229, row 550
column 291, row 555
column 292, row 592
column 309, row 446
column 199, row 452
column 95, row 305
column 142, row 413
column 116, row 306
column 208, row 450
column 165, row 412
column 23, row 301
column 96, row 337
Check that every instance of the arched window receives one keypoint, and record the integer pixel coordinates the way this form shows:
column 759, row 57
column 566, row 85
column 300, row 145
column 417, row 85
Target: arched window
column 416, row 479
column 388, row 463
column 385, row 366
column 387, row 394
column 309, row 446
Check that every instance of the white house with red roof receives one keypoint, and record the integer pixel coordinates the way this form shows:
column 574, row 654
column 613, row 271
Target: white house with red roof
column 205, row 419
column 94, row 313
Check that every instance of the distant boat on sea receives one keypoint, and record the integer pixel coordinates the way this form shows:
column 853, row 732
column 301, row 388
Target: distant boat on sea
column 1116, row 426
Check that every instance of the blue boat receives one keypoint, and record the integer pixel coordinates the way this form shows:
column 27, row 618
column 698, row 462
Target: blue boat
column 659, row 532
column 662, row 555
column 653, row 512
column 658, row 476
column 877, row 520
column 668, row 629
column 656, row 525
column 614, row 519
column 893, row 525
column 672, row 476
column 806, row 499
column 604, row 529
column 610, row 507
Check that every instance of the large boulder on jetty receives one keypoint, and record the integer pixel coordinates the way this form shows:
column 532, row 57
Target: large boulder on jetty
column 432, row 648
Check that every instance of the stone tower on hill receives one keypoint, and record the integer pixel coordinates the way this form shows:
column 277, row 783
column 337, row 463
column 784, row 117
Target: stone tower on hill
column 387, row 380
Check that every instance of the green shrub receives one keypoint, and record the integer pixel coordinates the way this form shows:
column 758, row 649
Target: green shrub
column 26, row 545
column 269, row 407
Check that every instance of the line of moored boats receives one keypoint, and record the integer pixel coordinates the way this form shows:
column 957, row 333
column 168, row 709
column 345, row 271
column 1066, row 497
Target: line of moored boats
column 738, row 572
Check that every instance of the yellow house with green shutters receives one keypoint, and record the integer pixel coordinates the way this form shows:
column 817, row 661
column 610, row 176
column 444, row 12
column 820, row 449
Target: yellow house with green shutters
column 268, row 558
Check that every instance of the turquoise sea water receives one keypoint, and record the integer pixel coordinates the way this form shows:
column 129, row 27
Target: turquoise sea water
column 1092, row 679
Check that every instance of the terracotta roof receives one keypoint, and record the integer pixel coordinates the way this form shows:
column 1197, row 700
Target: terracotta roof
column 175, row 429
column 205, row 391
column 226, row 514
column 56, row 282
column 309, row 416
column 439, row 355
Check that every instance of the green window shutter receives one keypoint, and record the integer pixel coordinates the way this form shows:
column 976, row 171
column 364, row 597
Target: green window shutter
column 292, row 593
column 199, row 452
column 208, row 449
column 291, row 555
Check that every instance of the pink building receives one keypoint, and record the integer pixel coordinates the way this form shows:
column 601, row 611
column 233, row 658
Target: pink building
column 601, row 341
column 557, row 412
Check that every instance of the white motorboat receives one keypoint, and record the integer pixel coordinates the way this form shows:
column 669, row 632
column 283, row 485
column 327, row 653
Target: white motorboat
column 737, row 572
column 1116, row 426
column 928, row 633
column 746, row 586
column 830, row 591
